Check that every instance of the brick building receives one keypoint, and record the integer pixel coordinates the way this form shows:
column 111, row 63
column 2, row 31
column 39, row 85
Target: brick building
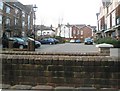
column 76, row 31
column 16, row 19
column 82, row 31
column 109, row 19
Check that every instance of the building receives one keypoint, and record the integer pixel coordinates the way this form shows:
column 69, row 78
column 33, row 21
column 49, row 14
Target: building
column 16, row 19
column 75, row 31
column 109, row 19
column 83, row 31
column 64, row 31
column 44, row 31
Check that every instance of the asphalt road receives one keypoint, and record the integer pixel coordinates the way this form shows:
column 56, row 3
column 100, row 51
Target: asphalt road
column 68, row 48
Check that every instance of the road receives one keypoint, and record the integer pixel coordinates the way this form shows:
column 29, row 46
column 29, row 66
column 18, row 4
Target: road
column 68, row 48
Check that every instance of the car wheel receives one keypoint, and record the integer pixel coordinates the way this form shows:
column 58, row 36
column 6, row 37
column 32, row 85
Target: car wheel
column 21, row 47
column 50, row 43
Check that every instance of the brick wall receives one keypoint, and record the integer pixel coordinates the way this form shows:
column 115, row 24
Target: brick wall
column 76, row 71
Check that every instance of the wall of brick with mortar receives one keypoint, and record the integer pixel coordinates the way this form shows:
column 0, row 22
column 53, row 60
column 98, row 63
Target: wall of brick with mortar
column 76, row 71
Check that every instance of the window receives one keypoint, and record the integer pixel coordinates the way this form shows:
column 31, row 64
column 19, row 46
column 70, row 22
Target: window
column 1, row 26
column 23, row 14
column 7, row 9
column 113, row 18
column 81, row 32
column 1, row 5
column 0, row 19
column 108, row 22
column 16, row 11
column 28, row 21
column 23, row 24
column 7, row 22
column 47, row 32
column 16, row 21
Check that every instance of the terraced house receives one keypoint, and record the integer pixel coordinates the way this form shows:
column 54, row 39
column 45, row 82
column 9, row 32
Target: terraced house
column 16, row 19
column 109, row 19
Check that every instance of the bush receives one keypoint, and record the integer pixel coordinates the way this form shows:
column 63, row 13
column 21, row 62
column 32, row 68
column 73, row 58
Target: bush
column 108, row 40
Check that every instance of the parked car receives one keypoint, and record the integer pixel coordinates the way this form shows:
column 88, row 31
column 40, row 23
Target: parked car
column 49, row 41
column 77, row 41
column 88, row 41
column 56, row 41
column 17, row 42
column 72, row 41
column 37, row 43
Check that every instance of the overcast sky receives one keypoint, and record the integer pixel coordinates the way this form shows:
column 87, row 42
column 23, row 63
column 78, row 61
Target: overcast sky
column 65, row 11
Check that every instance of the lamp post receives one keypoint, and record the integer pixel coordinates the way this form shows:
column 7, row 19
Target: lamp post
column 34, row 17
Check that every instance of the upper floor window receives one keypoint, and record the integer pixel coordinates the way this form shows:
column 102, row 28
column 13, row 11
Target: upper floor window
column 7, row 22
column 7, row 9
column 16, row 11
column 81, row 32
column 23, row 14
column 0, row 19
column 23, row 24
column 28, row 21
column 1, row 26
column 1, row 5
column 16, row 21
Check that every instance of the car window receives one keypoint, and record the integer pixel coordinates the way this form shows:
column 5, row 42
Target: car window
column 20, row 40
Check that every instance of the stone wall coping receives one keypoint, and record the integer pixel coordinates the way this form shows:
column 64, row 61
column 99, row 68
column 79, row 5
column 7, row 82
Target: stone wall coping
column 104, row 45
column 42, row 87
column 53, row 53
column 49, row 57
column 47, row 87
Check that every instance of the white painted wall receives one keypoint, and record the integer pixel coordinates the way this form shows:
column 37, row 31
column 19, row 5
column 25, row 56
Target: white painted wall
column 45, row 32
column 65, row 32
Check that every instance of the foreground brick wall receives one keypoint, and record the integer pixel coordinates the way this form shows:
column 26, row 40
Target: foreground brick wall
column 76, row 71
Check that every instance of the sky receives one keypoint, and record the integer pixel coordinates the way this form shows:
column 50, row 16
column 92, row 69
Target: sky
column 65, row 11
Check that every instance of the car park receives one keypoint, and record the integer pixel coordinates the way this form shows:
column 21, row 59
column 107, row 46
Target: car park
column 88, row 41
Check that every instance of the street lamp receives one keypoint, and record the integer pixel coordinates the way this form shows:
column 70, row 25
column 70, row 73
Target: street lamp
column 34, row 17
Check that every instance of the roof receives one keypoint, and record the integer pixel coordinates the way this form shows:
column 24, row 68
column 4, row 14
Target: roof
column 26, row 8
column 42, row 27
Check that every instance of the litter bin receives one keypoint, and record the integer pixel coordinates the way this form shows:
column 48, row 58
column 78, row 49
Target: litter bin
column 31, row 45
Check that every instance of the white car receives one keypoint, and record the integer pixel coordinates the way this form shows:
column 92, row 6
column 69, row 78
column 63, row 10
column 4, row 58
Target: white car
column 72, row 41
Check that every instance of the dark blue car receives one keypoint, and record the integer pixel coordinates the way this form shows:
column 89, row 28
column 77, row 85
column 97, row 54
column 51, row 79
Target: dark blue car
column 49, row 41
